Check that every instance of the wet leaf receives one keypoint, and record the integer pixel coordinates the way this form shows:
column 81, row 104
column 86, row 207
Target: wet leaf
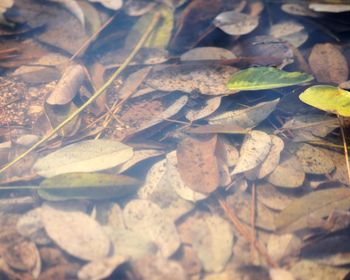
column 209, row 107
column 146, row 217
column 340, row 174
column 217, row 128
column 235, row 23
column 310, row 208
column 110, row 4
column 288, row 174
column 313, row 160
column 197, row 163
column 265, row 78
column 68, row 86
column 85, row 156
column 328, row 98
column 298, row 9
column 207, row 53
column 74, row 8
column 75, row 232
column 329, row 8
column 283, row 246
column 290, row 31
column 100, row 269
column 213, row 241
column 246, row 118
column 270, row 162
column 94, row 186
column 227, row 152
column 253, row 151
column 208, row 80
column 328, row 64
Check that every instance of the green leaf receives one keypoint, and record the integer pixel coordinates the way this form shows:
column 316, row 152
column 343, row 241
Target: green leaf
column 328, row 98
column 94, row 186
column 257, row 78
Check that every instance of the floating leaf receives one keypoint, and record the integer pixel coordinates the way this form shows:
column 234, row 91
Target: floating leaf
column 75, row 232
column 301, row 213
column 235, row 23
column 85, row 156
column 328, row 64
column 197, row 163
column 328, row 98
column 87, row 186
column 147, row 217
column 265, row 78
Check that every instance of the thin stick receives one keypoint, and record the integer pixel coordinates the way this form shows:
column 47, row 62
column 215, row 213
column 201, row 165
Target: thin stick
column 244, row 231
column 252, row 223
column 138, row 46
column 345, row 146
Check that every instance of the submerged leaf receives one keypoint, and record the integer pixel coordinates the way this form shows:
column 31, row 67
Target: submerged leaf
column 328, row 98
column 87, row 186
column 85, row 156
column 312, row 207
column 235, row 23
column 265, row 78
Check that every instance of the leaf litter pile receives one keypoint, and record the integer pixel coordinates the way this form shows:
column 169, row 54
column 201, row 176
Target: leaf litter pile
column 174, row 139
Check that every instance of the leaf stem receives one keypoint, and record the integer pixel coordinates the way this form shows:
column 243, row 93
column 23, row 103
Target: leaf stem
column 138, row 46
column 345, row 146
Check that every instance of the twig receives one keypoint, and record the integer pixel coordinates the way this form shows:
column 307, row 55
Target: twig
column 252, row 223
column 244, row 231
column 138, row 46
column 345, row 146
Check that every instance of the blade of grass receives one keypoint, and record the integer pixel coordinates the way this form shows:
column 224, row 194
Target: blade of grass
column 138, row 46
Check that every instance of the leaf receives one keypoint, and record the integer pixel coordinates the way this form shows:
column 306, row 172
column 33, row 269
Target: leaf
column 68, row 86
column 206, row 109
column 207, row 53
column 87, row 186
column 235, row 23
column 85, row 156
column 287, row 174
column 253, row 151
column 110, row 4
column 208, row 80
column 328, row 64
column 160, row 36
column 75, row 232
column 197, row 163
column 312, row 207
column 313, row 160
column 74, row 8
column 146, row 217
column 328, row 98
column 259, row 78
column 329, row 8
column 246, row 118
column 290, row 31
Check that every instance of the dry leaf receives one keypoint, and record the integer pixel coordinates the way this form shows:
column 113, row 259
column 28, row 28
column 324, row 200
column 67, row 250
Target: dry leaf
column 328, row 64
column 197, row 163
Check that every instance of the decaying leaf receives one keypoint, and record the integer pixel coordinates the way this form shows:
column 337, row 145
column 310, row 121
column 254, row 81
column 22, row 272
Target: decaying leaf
column 208, row 80
column 85, row 156
column 310, row 209
column 288, row 174
column 328, row 64
column 270, row 162
column 284, row 246
column 313, row 160
column 147, row 217
column 248, row 117
column 75, row 232
column 291, row 31
column 235, row 23
column 110, row 4
column 197, row 163
column 210, row 106
column 329, row 8
column 227, row 152
column 207, row 53
column 253, row 151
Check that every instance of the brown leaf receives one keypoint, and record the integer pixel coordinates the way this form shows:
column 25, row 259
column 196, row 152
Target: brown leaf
column 328, row 64
column 198, row 164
